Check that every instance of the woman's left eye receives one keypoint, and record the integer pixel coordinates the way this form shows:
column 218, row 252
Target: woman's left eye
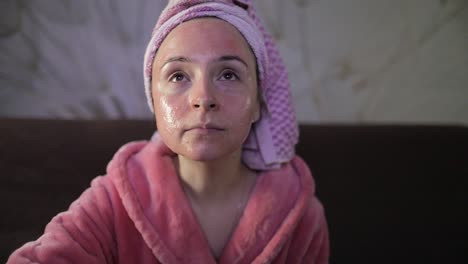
column 228, row 76
column 177, row 77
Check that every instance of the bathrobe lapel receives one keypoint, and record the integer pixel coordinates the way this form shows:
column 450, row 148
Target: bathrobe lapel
column 154, row 199
column 274, row 209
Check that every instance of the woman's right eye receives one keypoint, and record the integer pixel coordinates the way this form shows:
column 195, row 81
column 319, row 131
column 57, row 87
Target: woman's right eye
column 177, row 77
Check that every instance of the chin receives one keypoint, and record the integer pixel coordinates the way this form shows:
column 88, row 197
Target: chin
column 201, row 157
column 207, row 153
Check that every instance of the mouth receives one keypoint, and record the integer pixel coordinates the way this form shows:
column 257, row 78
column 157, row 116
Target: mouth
column 205, row 128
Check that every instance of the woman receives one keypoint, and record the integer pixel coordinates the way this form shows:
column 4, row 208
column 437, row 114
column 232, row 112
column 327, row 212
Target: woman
column 219, row 182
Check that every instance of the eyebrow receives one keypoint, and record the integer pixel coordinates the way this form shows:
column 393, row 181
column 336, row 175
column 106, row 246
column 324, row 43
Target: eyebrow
column 177, row 58
column 232, row 57
column 222, row 58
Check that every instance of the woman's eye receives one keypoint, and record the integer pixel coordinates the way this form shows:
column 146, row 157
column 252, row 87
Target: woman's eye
column 229, row 76
column 177, row 77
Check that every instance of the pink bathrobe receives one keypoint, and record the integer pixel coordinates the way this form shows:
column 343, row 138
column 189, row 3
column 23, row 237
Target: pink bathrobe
column 138, row 213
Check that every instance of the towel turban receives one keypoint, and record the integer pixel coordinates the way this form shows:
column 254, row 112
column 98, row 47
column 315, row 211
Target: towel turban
column 273, row 137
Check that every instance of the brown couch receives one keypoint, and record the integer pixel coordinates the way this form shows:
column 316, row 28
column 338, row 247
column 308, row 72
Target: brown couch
column 392, row 193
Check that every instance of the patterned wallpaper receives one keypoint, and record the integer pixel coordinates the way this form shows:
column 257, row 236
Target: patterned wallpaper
column 354, row 61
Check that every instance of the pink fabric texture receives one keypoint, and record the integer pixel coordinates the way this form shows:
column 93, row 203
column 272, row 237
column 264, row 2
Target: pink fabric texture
column 273, row 137
column 138, row 213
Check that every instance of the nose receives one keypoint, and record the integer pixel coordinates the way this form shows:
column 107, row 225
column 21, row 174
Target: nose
column 202, row 96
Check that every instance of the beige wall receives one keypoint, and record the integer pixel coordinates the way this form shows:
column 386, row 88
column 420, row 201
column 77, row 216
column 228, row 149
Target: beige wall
column 374, row 60
column 350, row 61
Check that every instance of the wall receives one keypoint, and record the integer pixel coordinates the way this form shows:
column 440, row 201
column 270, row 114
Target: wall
column 360, row 61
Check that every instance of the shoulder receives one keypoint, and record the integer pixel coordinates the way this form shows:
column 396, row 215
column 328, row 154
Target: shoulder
column 314, row 207
column 124, row 153
column 313, row 214
column 140, row 152
column 301, row 169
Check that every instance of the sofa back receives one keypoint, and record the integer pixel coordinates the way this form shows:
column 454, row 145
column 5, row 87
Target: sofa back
column 392, row 194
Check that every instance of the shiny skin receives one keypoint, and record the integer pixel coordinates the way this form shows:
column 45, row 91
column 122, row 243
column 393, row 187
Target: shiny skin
column 204, row 90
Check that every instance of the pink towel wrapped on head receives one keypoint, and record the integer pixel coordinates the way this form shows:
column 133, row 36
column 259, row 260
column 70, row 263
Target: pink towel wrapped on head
column 272, row 138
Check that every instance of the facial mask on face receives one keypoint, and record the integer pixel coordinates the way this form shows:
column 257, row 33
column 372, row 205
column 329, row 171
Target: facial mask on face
column 273, row 137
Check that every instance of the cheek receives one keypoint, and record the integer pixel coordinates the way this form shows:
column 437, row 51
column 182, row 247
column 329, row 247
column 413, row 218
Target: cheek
column 168, row 111
column 244, row 100
column 242, row 109
column 248, row 105
column 244, row 114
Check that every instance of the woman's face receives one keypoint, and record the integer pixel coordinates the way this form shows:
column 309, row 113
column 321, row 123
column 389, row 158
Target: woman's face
column 204, row 90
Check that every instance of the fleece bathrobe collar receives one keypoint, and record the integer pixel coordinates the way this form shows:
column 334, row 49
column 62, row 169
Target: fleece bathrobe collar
column 151, row 193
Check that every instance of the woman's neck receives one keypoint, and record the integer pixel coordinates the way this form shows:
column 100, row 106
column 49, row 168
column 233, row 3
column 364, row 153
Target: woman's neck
column 213, row 180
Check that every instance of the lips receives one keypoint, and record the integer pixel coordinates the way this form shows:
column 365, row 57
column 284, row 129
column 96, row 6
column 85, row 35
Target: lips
column 205, row 128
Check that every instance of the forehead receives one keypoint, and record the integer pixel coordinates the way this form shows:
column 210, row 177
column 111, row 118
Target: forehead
column 205, row 37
